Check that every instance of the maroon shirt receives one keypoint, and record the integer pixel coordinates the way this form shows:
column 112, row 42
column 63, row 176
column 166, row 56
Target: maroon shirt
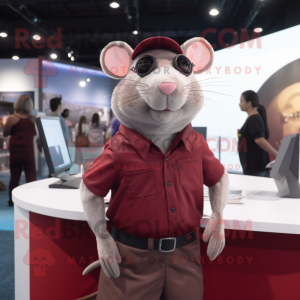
column 154, row 195
column 22, row 134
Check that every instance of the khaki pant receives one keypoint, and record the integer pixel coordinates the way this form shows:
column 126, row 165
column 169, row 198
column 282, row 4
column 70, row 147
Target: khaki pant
column 153, row 275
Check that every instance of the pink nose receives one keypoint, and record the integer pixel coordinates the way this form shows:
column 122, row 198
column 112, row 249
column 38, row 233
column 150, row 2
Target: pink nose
column 167, row 87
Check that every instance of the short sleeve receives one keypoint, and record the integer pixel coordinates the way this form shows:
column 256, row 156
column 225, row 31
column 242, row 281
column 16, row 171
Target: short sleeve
column 101, row 176
column 255, row 128
column 213, row 170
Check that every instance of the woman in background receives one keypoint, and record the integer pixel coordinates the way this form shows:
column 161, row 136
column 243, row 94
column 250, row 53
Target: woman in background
column 21, row 127
column 82, row 140
column 253, row 136
column 96, row 131
column 65, row 114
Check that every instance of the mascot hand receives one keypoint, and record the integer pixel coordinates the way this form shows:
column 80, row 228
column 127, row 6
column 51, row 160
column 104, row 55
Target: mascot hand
column 109, row 256
column 215, row 233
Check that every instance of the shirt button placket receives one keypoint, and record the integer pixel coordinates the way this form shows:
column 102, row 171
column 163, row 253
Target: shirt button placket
column 170, row 193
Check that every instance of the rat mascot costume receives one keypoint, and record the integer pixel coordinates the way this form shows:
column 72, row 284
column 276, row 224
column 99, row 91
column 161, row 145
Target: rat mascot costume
column 155, row 167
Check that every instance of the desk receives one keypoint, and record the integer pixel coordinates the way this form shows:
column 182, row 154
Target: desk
column 261, row 259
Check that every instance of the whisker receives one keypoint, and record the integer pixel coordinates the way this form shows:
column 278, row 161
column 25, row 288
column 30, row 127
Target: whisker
column 212, row 101
column 131, row 102
column 130, row 87
column 193, row 102
column 129, row 94
column 210, row 92
column 190, row 88
column 197, row 102
column 197, row 80
column 135, row 81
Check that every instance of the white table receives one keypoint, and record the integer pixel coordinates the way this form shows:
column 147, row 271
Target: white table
column 263, row 211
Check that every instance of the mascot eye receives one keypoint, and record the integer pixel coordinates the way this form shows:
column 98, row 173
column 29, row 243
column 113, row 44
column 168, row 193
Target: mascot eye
column 183, row 65
column 145, row 65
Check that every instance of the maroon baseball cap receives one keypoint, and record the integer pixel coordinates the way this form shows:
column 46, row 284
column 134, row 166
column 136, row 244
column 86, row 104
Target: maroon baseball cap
column 157, row 42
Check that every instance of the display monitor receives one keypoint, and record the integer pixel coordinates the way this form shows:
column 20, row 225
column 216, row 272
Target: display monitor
column 202, row 130
column 285, row 170
column 54, row 145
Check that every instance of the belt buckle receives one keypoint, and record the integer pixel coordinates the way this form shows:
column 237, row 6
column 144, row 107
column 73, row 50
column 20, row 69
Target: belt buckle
column 168, row 238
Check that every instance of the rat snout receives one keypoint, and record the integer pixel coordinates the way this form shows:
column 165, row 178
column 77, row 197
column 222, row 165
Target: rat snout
column 167, row 87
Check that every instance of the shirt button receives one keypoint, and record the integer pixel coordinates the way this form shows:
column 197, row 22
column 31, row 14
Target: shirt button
column 167, row 158
column 173, row 209
column 169, row 184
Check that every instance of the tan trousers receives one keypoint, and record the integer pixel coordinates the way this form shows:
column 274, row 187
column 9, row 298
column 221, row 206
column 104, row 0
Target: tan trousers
column 153, row 275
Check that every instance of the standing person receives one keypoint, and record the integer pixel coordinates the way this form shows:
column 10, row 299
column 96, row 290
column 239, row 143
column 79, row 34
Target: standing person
column 96, row 131
column 82, row 140
column 21, row 127
column 65, row 114
column 115, row 124
column 56, row 108
column 253, row 136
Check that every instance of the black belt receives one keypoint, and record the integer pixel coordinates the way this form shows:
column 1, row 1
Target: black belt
column 168, row 244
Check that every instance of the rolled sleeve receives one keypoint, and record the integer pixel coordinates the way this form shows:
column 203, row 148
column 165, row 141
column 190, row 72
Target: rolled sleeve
column 101, row 176
column 213, row 170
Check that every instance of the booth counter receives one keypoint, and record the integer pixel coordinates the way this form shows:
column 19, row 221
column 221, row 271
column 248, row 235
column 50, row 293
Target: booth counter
column 261, row 258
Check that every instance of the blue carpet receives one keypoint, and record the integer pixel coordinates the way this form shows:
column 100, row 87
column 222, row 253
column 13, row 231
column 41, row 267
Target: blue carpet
column 7, row 272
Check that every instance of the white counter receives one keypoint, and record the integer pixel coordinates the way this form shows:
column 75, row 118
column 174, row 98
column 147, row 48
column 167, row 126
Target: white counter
column 263, row 210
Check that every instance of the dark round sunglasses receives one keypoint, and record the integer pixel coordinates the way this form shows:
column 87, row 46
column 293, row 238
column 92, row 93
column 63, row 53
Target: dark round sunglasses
column 147, row 64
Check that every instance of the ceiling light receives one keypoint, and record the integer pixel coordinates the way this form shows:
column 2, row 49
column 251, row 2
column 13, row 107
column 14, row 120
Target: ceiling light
column 114, row 5
column 36, row 37
column 3, row 34
column 214, row 12
column 88, row 79
column 135, row 32
column 69, row 54
column 72, row 58
column 53, row 56
column 15, row 57
column 82, row 83
column 258, row 30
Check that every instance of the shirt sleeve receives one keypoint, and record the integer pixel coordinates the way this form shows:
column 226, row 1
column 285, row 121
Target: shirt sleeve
column 255, row 128
column 213, row 170
column 102, row 175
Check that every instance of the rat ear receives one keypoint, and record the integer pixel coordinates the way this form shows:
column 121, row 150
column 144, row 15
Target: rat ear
column 115, row 59
column 200, row 52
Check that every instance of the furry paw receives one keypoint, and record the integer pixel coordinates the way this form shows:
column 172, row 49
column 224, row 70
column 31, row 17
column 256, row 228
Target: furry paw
column 109, row 256
column 215, row 233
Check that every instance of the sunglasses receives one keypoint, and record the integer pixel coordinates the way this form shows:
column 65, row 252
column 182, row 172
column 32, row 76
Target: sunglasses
column 146, row 64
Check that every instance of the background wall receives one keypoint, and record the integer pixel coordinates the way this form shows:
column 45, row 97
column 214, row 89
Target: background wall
column 244, row 67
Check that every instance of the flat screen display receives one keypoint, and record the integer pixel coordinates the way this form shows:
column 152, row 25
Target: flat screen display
column 56, row 143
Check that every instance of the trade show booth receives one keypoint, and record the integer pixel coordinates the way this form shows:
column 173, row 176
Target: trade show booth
column 53, row 240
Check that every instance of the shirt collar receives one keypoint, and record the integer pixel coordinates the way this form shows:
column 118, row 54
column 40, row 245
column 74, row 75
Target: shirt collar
column 142, row 143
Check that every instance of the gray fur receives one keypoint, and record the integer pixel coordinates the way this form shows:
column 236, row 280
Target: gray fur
column 139, row 104
column 214, row 231
column 94, row 209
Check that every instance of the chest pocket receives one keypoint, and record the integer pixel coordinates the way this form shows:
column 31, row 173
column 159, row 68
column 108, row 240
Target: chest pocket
column 140, row 183
column 190, row 173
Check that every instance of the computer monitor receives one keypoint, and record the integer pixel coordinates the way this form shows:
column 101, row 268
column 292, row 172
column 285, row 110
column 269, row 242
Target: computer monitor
column 202, row 130
column 54, row 145
column 285, row 170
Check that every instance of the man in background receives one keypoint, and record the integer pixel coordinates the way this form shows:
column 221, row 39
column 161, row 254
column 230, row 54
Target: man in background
column 56, row 108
